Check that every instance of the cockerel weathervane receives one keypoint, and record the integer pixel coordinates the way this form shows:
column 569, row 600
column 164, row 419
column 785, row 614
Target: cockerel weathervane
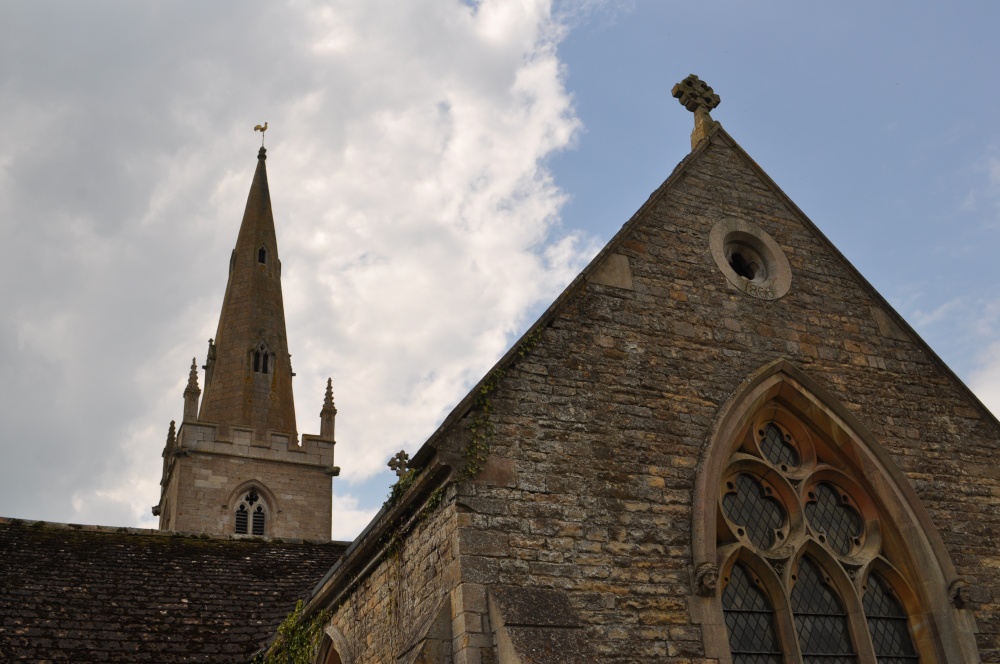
column 261, row 128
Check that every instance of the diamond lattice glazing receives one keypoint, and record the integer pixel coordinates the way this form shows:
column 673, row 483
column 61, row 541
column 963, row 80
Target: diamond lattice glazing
column 748, row 506
column 750, row 621
column 820, row 619
column 887, row 624
column 838, row 521
column 776, row 449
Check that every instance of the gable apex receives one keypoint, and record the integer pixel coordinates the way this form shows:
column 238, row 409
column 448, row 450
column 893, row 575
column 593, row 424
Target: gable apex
column 608, row 262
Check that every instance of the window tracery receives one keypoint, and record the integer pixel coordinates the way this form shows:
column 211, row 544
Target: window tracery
column 261, row 359
column 251, row 515
column 784, row 493
column 898, row 543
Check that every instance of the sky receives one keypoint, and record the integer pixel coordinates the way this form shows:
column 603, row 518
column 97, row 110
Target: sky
column 439, row 170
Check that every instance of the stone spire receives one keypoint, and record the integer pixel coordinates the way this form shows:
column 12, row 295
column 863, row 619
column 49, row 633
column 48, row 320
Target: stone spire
column 250, row 382
column 695, row 95
column 328, row 415
column 191, row 394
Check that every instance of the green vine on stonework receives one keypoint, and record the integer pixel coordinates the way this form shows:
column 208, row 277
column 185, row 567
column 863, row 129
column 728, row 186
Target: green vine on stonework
column 402, row 485
column 481, row 426
column 297, row 640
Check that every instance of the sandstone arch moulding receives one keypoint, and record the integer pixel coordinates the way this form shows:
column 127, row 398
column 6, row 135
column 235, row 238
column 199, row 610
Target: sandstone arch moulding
column 786, row 451
column 334, row 648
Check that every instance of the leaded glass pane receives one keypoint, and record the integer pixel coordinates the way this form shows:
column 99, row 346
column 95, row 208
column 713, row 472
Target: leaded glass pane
column 749, row 620
column 829, row 515
column 776, row 449
column 820, row 619
column 887, row 624
column 746, row 505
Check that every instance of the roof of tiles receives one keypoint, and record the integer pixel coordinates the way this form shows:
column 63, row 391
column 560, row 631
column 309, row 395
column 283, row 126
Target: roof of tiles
column 81, row 593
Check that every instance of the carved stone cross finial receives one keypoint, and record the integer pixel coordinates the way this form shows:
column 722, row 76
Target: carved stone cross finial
column 400, row 463
column 695, row 95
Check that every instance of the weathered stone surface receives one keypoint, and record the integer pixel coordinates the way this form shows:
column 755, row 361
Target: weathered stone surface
column 534, row 607
column 605, row 421
column 537, row 645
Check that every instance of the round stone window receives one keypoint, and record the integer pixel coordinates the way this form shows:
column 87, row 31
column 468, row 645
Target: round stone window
column 750, row 258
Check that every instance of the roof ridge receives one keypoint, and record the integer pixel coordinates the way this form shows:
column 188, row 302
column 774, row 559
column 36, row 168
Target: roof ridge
column 130, row 530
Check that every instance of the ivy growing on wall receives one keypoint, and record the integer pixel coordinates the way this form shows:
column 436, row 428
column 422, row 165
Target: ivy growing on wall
column 402, row 485
column 298, row 639
column 480, row 425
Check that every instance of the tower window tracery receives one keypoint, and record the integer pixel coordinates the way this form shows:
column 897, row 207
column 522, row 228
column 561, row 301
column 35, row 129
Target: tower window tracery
column 790, row 509
column 261, row 359
column 251, row 515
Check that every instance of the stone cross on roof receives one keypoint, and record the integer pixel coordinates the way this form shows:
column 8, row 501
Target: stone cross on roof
column 696, row 96
column 400, row 463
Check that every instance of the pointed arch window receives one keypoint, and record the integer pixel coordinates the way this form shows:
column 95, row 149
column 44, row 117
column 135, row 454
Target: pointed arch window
column 790, row 507
column 261, row 359
column 251, row 515
column 887, row 624
column 820, row 618
column 262, row 255
column 749, row 620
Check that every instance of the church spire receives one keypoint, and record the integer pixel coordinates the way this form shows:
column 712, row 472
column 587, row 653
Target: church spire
column 250, row 384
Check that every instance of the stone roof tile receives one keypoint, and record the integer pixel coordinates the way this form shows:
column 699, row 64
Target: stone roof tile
column 85, row 593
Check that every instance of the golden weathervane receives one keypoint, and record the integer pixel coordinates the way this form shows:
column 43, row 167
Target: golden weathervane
column 261, row 129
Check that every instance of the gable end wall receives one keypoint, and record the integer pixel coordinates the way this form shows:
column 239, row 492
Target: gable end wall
column 606, row 420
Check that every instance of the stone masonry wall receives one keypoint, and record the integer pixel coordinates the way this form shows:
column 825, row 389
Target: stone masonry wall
column 384, row 614
column 605, row 421
column 199, row 496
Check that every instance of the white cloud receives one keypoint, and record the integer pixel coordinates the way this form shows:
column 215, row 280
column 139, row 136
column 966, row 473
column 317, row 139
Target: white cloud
column 940, row 312
column 348, row 517
column 418, row 227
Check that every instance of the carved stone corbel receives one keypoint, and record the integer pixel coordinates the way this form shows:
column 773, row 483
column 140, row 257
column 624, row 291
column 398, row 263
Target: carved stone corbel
column 706, row 579
column 965, row 595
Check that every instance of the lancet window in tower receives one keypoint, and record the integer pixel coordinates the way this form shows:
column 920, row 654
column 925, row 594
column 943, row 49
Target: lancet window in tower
column 261, row 360
column 790, row 511
column 251, row 515
column 262, row 256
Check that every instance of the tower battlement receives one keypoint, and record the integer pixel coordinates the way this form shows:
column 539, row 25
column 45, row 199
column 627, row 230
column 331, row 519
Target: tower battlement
column 207, row 438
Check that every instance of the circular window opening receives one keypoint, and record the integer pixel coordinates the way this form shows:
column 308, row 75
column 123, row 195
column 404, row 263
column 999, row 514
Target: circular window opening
column 746, row 262
column 750, row 259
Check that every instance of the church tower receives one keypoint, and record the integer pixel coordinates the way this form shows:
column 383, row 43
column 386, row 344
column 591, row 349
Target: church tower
column 236, row 466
